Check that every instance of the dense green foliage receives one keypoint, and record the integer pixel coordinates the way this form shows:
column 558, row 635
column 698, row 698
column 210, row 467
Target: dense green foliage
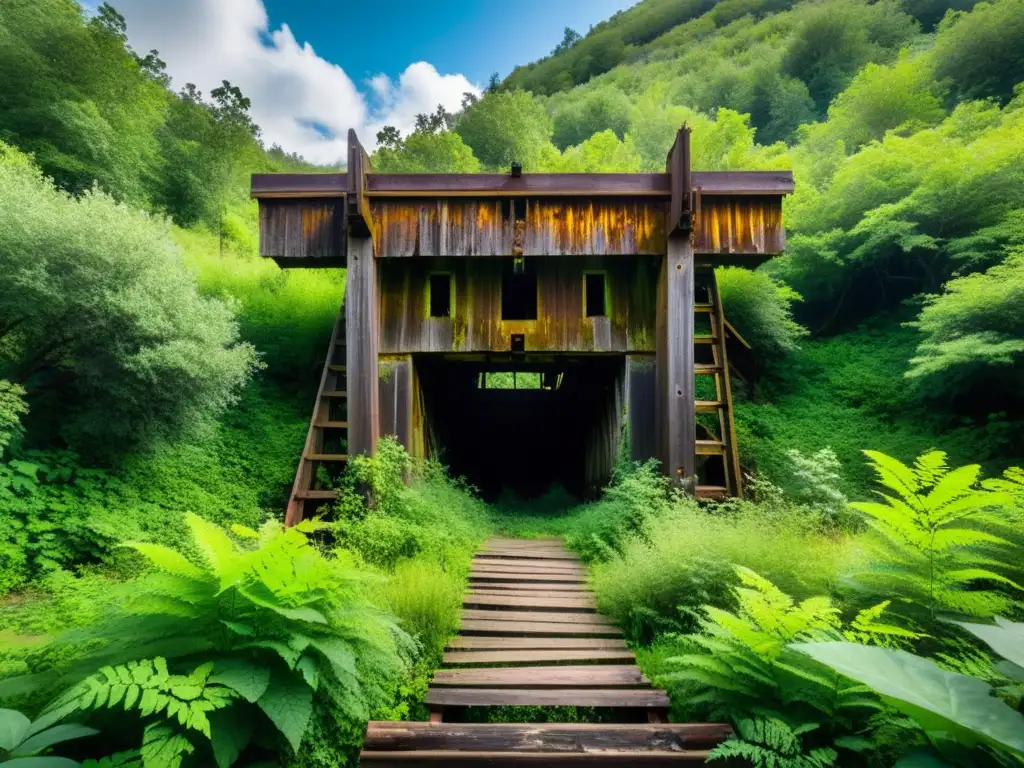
column 156, row 376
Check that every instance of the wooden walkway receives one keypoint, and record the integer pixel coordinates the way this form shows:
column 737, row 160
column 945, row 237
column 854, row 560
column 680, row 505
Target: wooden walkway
column 531, row 636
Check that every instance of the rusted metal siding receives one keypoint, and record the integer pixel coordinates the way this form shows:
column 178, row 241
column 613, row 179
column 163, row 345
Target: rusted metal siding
column 476, row 324
column 303, row 232
column 459, row 227
column 739, row 225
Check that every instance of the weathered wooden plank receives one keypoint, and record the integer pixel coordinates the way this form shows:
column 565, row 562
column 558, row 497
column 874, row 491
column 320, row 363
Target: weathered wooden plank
column 568, row 697
column 511, row 759
column 534, row 656
column 533, row 566
column 641, row 396
column 564, row 738
column 566, row 676
column 536, row 616
column 520, row 586
column 498, row 577
column 528, row 554
column 679, row 213
column 539, row 628
column 303, row 233
column 516, row 601
column 395, row 385
column 529, row 562
column 676, row 417
column 476, row 643
column 361, row 339
column 513, row 590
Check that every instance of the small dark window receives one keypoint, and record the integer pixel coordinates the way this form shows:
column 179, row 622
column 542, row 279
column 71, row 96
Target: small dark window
column 593, row 284
column 518, row 290
column 440, row 295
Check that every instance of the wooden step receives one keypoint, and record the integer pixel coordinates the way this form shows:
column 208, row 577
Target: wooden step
column 545, row 591
column 706, row 369
column 536, row 616
column 710, row 448
column 497, row 577
column 708, row 406
column 328, row 457
column 525, row 586
column 549, row 628
column 336, row 368
column 704, row 308
column 596, row 655
column 512, row 553
column 532, row 566
column 712, row 492
column 548, row 697
column 334, row 393
column 516, row 601
column 564, row 676
column 317, row 495
column 537, row 643
column 705, row 339
column 586, row 739
column 332, row 424
column 444, row 758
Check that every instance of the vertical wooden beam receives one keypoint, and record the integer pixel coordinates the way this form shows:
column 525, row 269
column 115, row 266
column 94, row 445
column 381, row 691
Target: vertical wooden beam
column 395, row 386
column 680, row 210
column 641, row 399
column 361, row 308
column 677, row 416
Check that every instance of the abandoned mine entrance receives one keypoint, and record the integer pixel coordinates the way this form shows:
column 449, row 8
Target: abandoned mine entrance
column 524, row 423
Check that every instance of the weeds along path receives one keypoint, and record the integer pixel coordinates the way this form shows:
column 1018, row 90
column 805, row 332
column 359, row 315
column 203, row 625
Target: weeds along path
column 531, row 636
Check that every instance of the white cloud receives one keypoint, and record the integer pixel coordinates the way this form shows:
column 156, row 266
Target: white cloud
column 297, row 96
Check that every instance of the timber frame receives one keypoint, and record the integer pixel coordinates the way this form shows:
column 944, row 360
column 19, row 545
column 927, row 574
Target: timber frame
column 649, row 232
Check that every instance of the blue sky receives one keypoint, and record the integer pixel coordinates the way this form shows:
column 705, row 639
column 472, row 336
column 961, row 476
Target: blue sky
column 315, row 68
column 474, row 37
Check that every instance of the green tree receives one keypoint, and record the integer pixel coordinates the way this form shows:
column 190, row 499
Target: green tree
column 101, row 317
column 506, row 127
column 599, row 110
column 428, row 152
column 979, row 53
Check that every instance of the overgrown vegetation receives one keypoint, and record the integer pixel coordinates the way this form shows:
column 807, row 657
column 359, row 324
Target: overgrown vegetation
column 156, row 376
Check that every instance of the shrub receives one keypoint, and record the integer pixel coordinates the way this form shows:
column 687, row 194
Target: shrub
column 101, row 316
column 685, row 559
column 256, row 633
column 426, row 597
column 760, row 308
column 939, row 538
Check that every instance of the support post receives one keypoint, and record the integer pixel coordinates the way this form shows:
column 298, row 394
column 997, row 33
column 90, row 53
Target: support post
column 395, row 387
column 677, row 417
column 361, row 309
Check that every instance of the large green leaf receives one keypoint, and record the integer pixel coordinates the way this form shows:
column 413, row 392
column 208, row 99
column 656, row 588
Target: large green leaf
column 41, row 762
column 55, row 735
column 918, row 686
column 13, row 727
column 230, row 733
column 288, row 703
column 248, row 679
column 1004, row 637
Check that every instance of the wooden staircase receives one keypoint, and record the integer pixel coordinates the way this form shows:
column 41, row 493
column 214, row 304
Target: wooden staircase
column 718, row 461
column 327, row 439
column 531, row 636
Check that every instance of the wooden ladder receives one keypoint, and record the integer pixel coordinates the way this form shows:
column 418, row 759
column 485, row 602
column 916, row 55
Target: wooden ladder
column 327, row 438
column 718, row 459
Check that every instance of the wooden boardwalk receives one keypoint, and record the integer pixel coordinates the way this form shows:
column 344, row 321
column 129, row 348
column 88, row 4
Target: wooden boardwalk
column 531, row 636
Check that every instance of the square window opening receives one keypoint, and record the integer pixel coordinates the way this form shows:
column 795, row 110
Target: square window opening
column 441, row 295
column 594, row 295
column 518, row 290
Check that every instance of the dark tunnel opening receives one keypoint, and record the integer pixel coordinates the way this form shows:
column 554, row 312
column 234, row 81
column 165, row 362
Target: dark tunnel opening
column 525, row 426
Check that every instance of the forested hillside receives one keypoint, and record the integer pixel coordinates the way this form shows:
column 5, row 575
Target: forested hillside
column 156, row 379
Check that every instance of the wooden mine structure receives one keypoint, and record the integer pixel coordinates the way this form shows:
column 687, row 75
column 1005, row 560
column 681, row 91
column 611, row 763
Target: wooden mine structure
column 600, row 287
